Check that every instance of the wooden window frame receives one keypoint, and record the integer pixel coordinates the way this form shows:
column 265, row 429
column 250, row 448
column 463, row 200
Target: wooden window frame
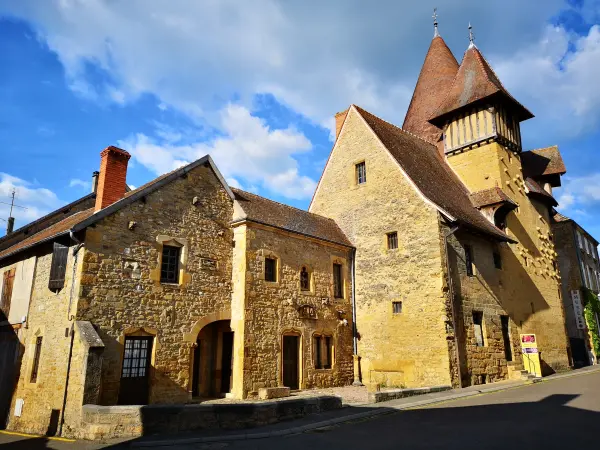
column 58, row 267
column 172, row 275
column 392, row 240
column 338, row 280
column 271, row 274
column 35, row 368
column 360, row 172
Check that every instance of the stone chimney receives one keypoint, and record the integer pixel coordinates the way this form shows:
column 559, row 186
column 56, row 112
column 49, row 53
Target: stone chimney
column 95, row 176
column 339, row 121
column 112, row 180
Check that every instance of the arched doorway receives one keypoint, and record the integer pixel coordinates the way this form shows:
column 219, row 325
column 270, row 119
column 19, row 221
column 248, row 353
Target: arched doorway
column 213, row 360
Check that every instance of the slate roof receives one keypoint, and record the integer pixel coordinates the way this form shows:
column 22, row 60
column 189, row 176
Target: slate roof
column 47, row 234
column 490, row 196
column 536, row 190
column 268, row 212
column 475, row 81
column 542, row 162
column 436, row 77
column 431, row 175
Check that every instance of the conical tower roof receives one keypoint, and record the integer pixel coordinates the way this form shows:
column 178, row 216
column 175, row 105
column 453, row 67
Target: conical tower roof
column 438, row 72
column 475, row 81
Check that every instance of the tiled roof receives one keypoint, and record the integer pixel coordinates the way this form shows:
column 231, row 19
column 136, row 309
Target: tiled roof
column 51, row 232
column 438, row 72
column 490, row 196
column 268, row 212
column 542, row 162
column 558, row 217
column 536, row 189
column 431, row 175
column 474, row 81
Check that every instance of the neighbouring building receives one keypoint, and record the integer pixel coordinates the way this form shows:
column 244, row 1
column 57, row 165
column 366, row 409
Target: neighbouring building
column 426, row 251
column 580, row 269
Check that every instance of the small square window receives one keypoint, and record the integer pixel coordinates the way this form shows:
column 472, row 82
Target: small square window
column 361, row 173
column 169, row 268
column 392, row 240
column 397, row 307
column 270, row 269
column 497, row 260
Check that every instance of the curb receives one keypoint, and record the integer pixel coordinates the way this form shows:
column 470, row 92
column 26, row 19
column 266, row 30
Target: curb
column 380, row 410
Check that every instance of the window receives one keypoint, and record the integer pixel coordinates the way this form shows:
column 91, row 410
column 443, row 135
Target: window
column 304, row 280
column 270, row 269
column 136, row 358
column 58, row 266
column 478, row 328
column 361, row 173
column 580, row 239
column 338, row 288
column 323, row 352
column 169, row 269
column 497, row 260
column 7, row 288
column 397, row 307
column 36, row 359
column 392, row 240
column 469, row 260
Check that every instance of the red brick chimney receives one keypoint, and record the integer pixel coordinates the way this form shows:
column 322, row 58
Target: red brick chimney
column 339, row 121
column 113, row 174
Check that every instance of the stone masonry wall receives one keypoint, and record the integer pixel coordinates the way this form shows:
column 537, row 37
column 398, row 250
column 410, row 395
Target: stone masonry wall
column 121, row 291
column 271, row 309
column 408, row 349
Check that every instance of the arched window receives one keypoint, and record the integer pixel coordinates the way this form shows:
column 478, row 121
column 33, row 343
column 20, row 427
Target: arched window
column 304, row 280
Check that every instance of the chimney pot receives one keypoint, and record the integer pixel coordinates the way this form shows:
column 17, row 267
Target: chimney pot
column 95, row 176
column 112, row 183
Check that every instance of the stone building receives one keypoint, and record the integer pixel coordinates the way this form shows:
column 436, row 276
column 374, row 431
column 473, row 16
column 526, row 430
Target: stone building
column 426, row 251
column 451, row 221
column 579, row 268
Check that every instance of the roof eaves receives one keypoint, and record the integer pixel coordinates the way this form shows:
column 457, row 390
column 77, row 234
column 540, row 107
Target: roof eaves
column 33, row 244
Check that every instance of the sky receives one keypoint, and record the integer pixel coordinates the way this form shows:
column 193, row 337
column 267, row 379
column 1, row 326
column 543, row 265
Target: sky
column 256, row 85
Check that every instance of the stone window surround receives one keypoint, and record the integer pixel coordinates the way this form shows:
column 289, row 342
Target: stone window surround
column 354, row 184
column 323, row 333
column 292, row 331
column 40, row 332
column 262, row 255
column 387, row 242
column 344, row 264
column 311, row 280
column 162, row 240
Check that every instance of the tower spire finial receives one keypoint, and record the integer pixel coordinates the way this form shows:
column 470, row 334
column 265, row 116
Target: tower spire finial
column 436, row 33
column 471, row 36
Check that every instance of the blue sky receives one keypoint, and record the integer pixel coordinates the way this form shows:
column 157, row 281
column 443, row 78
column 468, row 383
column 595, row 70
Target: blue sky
column 257, row 86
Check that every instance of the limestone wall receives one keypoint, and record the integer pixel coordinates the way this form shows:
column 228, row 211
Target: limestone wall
column 271, row 309
column 21, row 292
column 121, row 291
column 408, row 349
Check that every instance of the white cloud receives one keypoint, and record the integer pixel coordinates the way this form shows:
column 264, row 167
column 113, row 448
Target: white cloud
column 580, row 194
column 38, row 201
column 76, row 182
column 249, row 152
column 557, row 77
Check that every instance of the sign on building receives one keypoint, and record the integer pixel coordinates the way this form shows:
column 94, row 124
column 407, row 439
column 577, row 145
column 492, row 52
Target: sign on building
column 578, row 309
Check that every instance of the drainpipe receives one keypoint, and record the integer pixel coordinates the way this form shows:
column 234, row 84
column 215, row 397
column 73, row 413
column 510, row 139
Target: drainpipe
column 71, row 331
column 357, row 381
column 451, row 293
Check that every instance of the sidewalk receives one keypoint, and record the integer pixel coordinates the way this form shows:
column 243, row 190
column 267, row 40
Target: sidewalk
column 346, row 414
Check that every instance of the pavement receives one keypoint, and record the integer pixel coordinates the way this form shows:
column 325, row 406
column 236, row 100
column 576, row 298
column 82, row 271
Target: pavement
column 510, row 413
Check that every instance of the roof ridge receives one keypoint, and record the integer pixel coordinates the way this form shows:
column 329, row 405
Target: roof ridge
column 283, row 204
column 396, row 126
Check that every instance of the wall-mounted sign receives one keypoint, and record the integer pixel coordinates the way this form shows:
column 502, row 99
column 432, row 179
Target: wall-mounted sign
column 578, row 310
column 307, row 312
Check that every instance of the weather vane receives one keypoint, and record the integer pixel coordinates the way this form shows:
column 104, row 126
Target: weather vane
column 435, row 23
column 471, row 37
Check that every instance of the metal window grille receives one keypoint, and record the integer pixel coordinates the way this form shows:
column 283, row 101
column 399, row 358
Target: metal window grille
column 169, row 270
column 304, row 280
column 397, row 307
column 270, row 269
column 36, row 359
column 337, row 281
column 136, row 357
column 392, row 240
column 361, row 173
column 469, row 260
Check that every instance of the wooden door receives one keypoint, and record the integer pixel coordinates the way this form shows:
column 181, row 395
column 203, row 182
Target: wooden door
column 135, row 374
column 226, row 359
column 291, row 349
column 196, row 370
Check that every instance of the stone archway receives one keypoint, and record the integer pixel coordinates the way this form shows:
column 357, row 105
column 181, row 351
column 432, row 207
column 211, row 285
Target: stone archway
column 192, row 336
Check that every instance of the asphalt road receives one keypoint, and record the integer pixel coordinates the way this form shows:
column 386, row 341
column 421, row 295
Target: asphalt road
column 563, row 413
